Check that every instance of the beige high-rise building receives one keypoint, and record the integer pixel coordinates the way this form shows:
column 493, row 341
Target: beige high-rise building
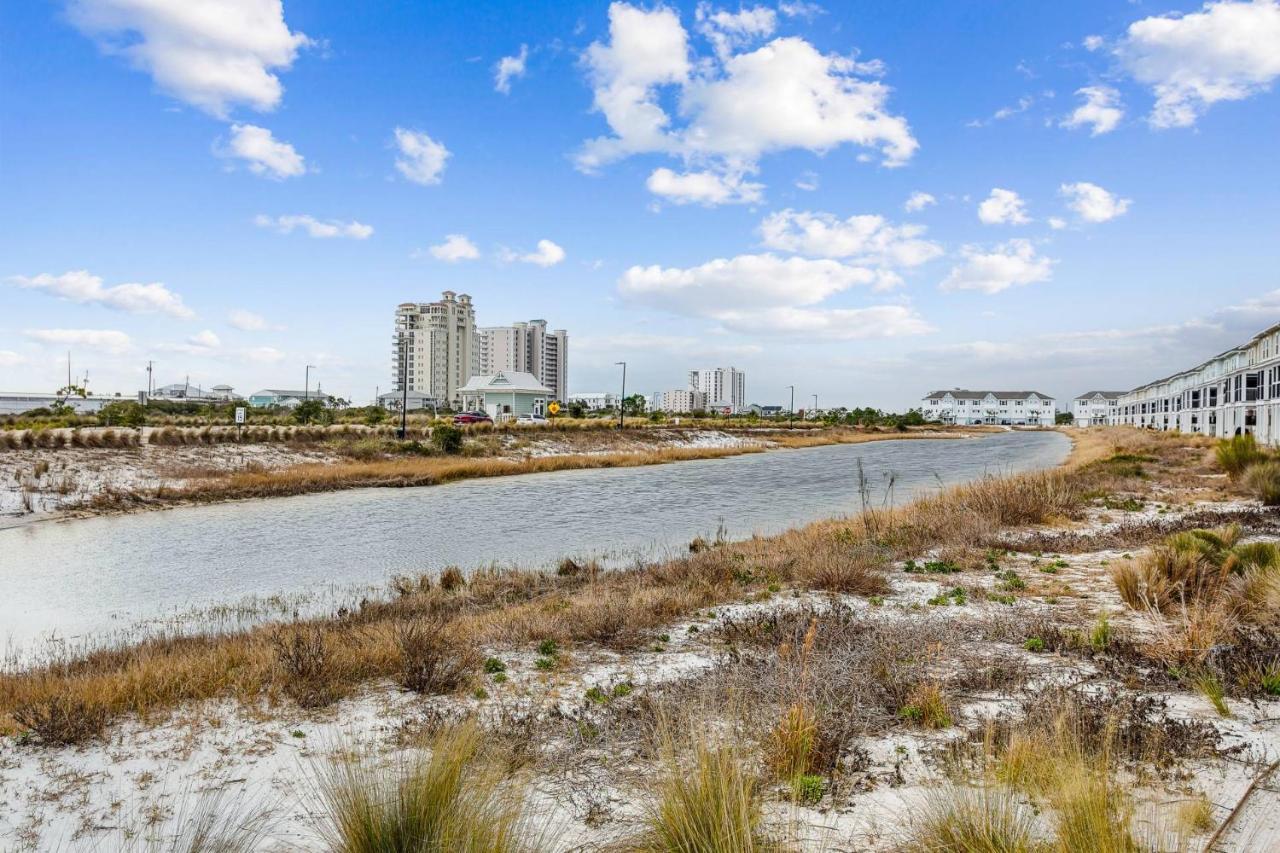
column 434, row 347
column 724, row 387
column 528, row 348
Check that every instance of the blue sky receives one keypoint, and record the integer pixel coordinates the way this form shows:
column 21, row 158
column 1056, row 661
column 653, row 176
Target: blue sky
column 237, row 189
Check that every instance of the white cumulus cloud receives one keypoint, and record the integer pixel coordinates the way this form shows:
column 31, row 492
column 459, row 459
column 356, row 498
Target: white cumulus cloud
column 1008, row 264
column 705, row 188
column 1227, row 51
column 867, row 239
column 106, row 340
column 247, row 321
column 1101, row 111
column 1092, row 203
column 320, row 229
column 730, row 108
column 840, row 324
column 918, row 201
column 84, row 287
column 421, row 158
column 212, row 54
column 9, row 358
column 548, row 254
column 1003, row 207
column 456, row 247
column 263, row 153
column 509, row 68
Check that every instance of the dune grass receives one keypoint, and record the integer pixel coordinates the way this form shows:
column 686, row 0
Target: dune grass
column 453, row 799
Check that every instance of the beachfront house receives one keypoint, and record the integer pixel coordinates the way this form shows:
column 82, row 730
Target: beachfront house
column 505, row 395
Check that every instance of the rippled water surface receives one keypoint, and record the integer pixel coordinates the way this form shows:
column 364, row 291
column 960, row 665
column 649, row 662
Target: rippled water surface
column 101, row 576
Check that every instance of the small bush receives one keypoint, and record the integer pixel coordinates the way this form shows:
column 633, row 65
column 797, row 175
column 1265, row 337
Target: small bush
column 927, row 707
column 452, row 578
column 983, row 818
column 307, row 667
column 494, row 665
column 62, row 720
column 1263, row 480
column 446, row 438
column 1237, row 453
column 433, row 658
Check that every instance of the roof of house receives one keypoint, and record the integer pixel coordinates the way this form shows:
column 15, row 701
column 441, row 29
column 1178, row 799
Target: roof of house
column 278, row 392
column 979, row 395
column 1110, row 395
column 505, row 380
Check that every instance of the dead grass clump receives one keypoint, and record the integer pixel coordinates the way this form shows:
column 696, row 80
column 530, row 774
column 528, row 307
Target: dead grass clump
column 926, row 706
column 62, row 720
column 452, row 578
column 454, row 800
column 859, row 569
column 434, row 659
column 308, row 670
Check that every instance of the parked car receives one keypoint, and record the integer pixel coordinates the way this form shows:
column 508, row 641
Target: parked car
column 463, row 418
column 531, row 419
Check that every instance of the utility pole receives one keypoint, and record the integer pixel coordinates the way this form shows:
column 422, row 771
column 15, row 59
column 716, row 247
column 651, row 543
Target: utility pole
column 306, row 389
column 622, row 402
column 815, row 405
column 150, row 381
column 791, row 412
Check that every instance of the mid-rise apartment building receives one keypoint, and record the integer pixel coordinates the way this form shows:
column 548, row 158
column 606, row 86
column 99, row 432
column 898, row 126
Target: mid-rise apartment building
column 1012, row 408
column 681, row 401
column 1235, row 392
column 723, row 387
column 434, row 347
column 526, row 348
column 1095, row 408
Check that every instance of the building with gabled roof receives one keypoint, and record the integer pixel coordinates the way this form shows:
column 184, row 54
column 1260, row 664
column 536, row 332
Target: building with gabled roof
column 969, row 408
column 1095, row 408
column 505, row 395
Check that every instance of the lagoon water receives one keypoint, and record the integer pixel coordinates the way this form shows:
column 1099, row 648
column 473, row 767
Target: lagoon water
column 91, row 580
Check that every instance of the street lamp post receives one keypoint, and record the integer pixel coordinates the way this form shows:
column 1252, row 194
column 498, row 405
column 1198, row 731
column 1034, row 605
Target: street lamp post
column 815, row 405
column 791, row 412
column 306, row 388
column 622, row 401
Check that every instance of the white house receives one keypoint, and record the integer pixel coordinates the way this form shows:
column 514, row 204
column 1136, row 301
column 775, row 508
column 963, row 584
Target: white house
column 595, row 399
column 1235, row 392
column 506, row 395
column 966, row 408
column 1095, row 408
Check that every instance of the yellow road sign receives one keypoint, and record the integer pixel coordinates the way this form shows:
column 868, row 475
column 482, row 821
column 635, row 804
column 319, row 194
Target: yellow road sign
column 554, row 408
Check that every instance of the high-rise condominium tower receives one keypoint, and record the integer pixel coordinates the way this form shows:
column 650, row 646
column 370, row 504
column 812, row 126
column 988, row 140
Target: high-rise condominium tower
column 434, row 346
column 723, row 387
column 527, row 347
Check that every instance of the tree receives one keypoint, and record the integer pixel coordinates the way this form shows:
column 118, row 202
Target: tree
column 577, row 409
column 123, row 413
column 1062, row 418
column 634, row 405
column 311, row 411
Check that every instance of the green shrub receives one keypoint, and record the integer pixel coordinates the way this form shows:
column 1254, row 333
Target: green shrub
column 1263, row 480
column 446, row 438
column 494, row 666
column 1237, row 453
column 1034, row 644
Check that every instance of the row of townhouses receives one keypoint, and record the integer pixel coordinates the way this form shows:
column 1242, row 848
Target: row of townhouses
column 438, row 350
column 968, row 408
column 1235, row 392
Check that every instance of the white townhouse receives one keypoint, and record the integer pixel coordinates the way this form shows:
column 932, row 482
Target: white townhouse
column 1235, row 392
column 1095, row 408
column 1012, row 408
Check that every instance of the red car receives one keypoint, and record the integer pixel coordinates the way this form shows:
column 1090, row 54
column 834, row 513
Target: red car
column 471, row 418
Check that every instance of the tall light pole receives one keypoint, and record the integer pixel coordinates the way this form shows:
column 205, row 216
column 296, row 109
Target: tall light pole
column 306, row 388
column 815, row 405
column 622, row 401
column 791, row 412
